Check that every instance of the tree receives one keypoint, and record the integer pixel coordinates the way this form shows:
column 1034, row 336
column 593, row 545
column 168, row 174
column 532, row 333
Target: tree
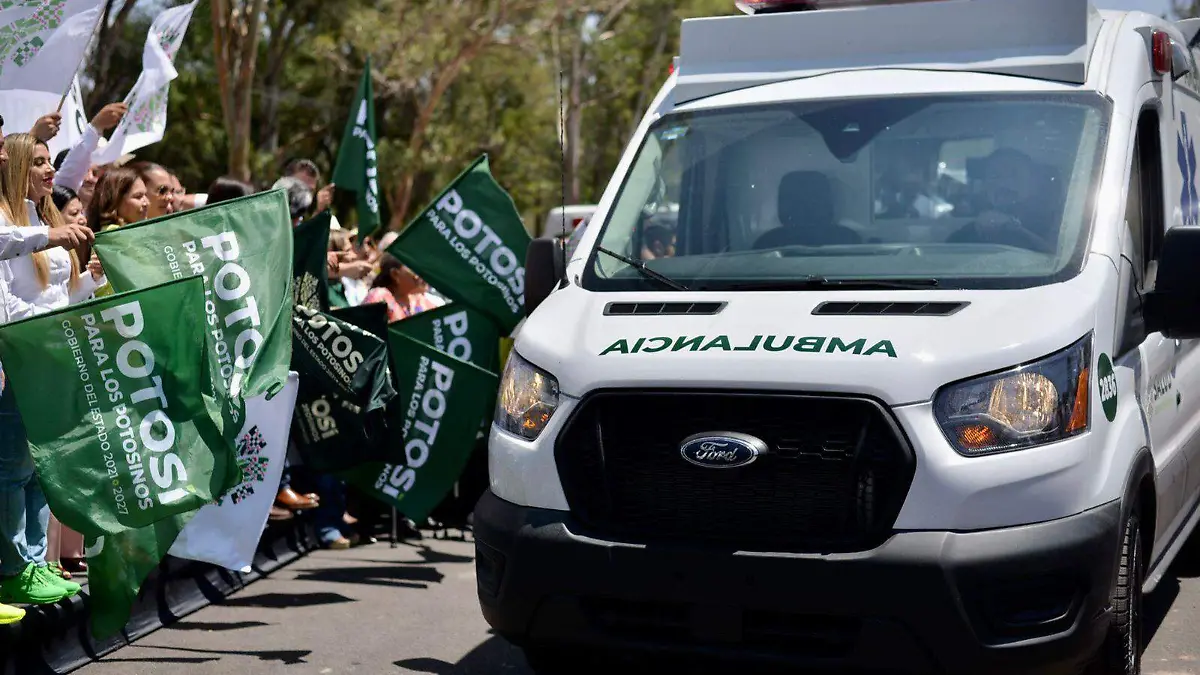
column 236, row 34
column 111, row 40
column 421, row 49
column 453, row 78
column 585, row 26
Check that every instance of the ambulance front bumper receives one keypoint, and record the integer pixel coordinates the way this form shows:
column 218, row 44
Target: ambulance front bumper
column 1028, row 600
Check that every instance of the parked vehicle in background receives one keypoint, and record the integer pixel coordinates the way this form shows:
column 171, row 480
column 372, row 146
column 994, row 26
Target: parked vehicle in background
column 563, row 220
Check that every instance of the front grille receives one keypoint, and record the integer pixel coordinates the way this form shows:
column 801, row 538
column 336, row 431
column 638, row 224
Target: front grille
column 834, row 480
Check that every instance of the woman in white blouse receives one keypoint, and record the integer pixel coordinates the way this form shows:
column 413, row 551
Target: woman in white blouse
column 31, row 284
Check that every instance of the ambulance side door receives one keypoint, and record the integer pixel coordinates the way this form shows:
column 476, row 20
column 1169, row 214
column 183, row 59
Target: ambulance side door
column 1181, row 387
column 1152, row 357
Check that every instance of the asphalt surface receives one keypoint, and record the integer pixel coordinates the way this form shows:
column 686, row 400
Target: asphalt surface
column 412, row 609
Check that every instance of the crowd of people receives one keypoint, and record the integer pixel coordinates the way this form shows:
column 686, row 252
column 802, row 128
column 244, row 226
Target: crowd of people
column 50, row 211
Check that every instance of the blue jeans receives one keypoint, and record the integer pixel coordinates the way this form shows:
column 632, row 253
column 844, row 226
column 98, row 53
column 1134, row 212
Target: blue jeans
column 327, row 518
column 24, row 515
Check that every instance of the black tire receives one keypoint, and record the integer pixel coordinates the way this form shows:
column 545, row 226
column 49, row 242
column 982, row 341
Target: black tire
column 1121, row 653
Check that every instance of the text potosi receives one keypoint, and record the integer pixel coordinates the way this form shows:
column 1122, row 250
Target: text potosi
column 148, row 447
column 481, row 247
column 248, row 340
column 422, row 421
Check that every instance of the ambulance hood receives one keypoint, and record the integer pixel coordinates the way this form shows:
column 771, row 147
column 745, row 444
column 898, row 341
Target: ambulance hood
column 773, row 340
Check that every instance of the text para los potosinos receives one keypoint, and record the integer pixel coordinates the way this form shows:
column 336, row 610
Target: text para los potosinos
column 339, row 359
column 372, row 170
column 147, row 445
column 459, row 346
column 502, row 269
column 422, row 420
column 230, row 283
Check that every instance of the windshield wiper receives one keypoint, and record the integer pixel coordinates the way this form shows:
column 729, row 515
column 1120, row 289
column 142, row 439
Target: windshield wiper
column 815, row 283
column 645, row 271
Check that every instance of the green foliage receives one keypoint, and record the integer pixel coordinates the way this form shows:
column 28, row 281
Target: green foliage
column 503, row 99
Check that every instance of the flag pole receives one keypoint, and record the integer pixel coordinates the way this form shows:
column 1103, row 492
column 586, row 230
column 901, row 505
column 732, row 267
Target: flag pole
column 79, row 66
column 395, row 530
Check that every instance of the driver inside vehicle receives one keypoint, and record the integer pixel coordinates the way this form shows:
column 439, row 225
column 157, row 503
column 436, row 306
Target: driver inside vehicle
column 1013, row 214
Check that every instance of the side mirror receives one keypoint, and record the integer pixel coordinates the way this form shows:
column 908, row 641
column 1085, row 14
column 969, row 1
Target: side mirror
column 544, row 269
column 1173, row 307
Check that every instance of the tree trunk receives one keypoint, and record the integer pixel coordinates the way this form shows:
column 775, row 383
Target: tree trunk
column 112, row 25
column 572, row 139
column 235, row 46
column 402, row 197
column 653, row 72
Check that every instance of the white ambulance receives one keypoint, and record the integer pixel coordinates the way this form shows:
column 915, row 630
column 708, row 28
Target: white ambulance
column 912, row 386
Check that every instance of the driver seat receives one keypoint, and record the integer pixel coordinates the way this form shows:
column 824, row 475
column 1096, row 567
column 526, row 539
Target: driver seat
column 806, row 214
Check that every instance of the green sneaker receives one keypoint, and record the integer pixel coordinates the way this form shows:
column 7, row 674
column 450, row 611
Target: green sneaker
column 10, row 614
column 30, row 587
column 70, row 587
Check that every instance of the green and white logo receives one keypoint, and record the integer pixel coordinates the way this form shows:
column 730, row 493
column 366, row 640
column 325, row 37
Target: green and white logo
column 1107, row 381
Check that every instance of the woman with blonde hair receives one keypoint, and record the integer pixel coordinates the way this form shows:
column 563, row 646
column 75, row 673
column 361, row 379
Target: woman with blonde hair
column 31, row 285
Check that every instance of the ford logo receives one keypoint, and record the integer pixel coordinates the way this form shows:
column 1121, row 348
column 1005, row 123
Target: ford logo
column 722, row 449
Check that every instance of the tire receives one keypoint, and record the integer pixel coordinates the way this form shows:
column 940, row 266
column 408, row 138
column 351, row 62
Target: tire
column 1121, row 653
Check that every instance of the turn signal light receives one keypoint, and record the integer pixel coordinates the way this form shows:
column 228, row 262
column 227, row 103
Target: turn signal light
column 1079, row 413
column 976, row 437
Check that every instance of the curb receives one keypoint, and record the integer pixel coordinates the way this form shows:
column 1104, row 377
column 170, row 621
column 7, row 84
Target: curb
column 55, row 639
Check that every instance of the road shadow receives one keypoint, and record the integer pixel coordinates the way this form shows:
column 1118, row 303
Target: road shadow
column 438, row 557
column 394, row 576
column 285, row 657
column 190, row 660
column 219, row 626
column 496, row 656
column 285, row 600
column 1157, row 606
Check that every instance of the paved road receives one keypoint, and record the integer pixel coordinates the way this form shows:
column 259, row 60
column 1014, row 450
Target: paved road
column 411, row 609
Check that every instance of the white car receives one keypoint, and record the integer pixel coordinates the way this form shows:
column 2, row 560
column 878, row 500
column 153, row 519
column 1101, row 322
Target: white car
column 964, row 442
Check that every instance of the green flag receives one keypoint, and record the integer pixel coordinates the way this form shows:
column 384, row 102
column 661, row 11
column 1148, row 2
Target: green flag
column 371, row 317
column 345, row 387
column 243, row 249
column 470, row 245
column 434, row 422
column 118, row 566
column 458, row 330
column 123, row 419
column 310, row 280
column 356, row 168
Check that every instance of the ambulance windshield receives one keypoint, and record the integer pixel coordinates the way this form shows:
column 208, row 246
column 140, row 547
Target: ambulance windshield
column 979, row 191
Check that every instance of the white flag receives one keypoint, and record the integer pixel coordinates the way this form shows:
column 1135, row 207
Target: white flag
column 42, row 42
column 21, row 108
column 146, row 121
column 226, row 533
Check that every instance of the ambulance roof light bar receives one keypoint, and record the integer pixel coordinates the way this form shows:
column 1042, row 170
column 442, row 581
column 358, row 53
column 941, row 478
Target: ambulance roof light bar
column 779, row 6
column 1049, row 40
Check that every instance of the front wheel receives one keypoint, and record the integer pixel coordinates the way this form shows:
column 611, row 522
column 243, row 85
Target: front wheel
column 1121, row 653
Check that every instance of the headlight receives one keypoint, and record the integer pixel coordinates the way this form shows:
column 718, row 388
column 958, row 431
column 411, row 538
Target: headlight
column 527, row 399
column 1027, row 406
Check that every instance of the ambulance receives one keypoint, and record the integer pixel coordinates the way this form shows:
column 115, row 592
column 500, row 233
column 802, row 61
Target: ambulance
column 913, row 384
